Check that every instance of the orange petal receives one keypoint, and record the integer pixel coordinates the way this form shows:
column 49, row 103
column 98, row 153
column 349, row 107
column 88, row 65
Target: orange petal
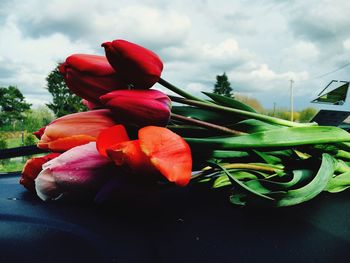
column 66, row 143
column 109, row 137
column 129, row 155
column 168, row 152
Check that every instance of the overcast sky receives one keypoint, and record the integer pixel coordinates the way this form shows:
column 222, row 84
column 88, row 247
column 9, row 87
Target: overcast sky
column 260, row 45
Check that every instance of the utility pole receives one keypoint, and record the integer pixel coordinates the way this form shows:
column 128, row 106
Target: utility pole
column 291, row 100
column 274, row 109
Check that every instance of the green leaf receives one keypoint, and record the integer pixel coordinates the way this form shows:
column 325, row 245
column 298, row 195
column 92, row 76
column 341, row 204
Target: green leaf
column 241, row 187
column 338, row 183
column 223, row 180
column 222, row 154
column 298, row 177
column 205, row 115
column 269, row 159
column 229, row 102
column 253, row 126
column 284, row 137
column 312, row 189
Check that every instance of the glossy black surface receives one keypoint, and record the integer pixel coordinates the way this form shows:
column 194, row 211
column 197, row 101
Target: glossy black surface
column 178, row 225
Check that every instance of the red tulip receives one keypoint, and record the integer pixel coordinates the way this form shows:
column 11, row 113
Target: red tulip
column 137, row 65
column 158, row 151
column 90, row 76
column 79, row 171
column 75, row 129
column 139, row 107
column 39, row 132
column 32, row 168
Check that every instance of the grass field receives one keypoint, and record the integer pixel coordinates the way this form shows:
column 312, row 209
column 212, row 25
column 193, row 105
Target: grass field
column 12, row 165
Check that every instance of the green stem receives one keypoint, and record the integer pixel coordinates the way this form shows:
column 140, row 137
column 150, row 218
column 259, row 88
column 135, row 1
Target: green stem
column 177, row 90
column 254, row 115
column 207, row 125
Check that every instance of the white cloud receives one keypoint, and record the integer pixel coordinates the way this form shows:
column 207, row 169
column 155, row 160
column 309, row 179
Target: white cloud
column 260, row 47
column 346, row 44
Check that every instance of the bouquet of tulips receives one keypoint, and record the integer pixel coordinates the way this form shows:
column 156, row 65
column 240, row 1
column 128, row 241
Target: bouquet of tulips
column 133, row 137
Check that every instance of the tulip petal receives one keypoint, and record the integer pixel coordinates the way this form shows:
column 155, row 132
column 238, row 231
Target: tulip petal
column 79, row 171
column 111, row 136
column 168, row 152
column 66, row 143
column 137, row 65
column 129, row 156
column 90, row 64
column 139, row 107
column 32, row 168
column 82, row 127
column 90, row 76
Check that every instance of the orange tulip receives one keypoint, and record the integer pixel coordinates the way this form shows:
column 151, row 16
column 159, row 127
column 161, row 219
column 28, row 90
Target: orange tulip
column 75, row 129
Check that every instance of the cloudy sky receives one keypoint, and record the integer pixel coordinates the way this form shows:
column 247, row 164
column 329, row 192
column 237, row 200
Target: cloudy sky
column 260, row 45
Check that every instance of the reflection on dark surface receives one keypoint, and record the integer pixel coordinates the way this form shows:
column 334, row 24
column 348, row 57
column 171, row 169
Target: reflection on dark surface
column 175, row 225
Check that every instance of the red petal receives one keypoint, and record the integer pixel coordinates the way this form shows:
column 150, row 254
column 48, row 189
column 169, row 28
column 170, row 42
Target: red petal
column 98, row 65
column 109, row 137
column 168, row 152
column 129, row 156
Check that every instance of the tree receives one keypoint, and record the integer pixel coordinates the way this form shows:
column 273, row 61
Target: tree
column 307, row 114
column 37, row 118
column 64, row 101
column 252, row 102
column 223, row 86
column 12, row 105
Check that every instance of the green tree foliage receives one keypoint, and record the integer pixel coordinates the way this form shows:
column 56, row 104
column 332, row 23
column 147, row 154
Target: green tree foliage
column 223, row 86
column 37, row 118
column 252, row 102
column 307, row 114
column 12, row 106
column 64, row 101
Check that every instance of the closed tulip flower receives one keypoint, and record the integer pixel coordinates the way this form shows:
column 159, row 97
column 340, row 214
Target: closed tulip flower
column 75, row 129
column 137, row 65
column 90, row 76
column 32, row 168
column 139, row 107
column 78, row 172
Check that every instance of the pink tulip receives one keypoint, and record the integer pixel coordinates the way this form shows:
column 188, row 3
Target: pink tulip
column 137, row 65
column 75, row 129
column 90, row 76
column 139, row 107
column 79, row 171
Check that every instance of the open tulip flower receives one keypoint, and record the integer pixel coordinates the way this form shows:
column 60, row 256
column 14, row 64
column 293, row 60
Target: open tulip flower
column 32, row 168
column 137, row 65
column 75, row 129
column 158, row 151
column 90, row 76
column 79, row 171
column 139, row 107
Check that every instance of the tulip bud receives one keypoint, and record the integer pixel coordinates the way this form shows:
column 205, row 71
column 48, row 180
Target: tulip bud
column 90, row 76
column 75, row 129
column 79, row 171
column 139, row 107
column 32, row 168
column 137, row 65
